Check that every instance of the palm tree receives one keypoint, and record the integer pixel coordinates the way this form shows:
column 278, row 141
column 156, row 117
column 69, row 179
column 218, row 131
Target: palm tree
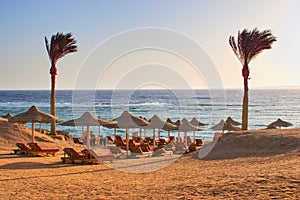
column 60, row 45
column 248, row 45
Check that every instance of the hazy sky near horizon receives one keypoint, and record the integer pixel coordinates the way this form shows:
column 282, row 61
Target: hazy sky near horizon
column 24, row 62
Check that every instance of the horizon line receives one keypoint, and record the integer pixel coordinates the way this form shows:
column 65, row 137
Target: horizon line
column 107, row 89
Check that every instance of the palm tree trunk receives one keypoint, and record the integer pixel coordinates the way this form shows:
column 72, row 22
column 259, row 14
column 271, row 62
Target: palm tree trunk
column 52, row 98
column 245, row 73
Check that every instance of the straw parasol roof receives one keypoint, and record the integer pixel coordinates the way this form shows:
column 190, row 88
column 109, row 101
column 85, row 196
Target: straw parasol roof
column 7, row 116
column 219, row 126
column 229, row 127
column 33, row 115
column 279, row 123
column 233, row 122
column 127, row 120
column 177, row 123
column 88, row 119
column 222, row 126
column 157, row 123
column 187, row 126
column 196, row 122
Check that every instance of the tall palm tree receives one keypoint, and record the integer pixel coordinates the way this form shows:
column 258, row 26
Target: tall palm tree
column 248, row 45
column 60, row 45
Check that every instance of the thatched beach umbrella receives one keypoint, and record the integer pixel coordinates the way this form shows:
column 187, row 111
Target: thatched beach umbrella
column 279, row 123
column 87, row 119
column 233, row 122
column 219, row 126
column 157, row 123
column 186, row 126
column 127, row 120
column 196, row 122
column 33, row 115
column 7, row 116
column 222, row 126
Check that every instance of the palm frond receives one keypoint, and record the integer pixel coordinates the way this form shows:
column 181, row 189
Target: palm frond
column 60, row 45
column 251, row 43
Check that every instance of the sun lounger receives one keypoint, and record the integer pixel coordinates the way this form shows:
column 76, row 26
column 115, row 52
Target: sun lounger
column 38, row 150
column 22, row 149
column 137, row 151
column 117, row 151
column 77, row 140
column 94, row 157
column 110, row 139
column 132, row 143
column 199, row 142
column 162, row 141
column 72, row 155
column 194, row 147
column 120, row 142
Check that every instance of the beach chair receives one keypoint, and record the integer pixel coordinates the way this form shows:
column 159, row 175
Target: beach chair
column 22, row 149
column 38, row 150
column 193, row 147
column 171, row 139
column 137, row 152
column 72, row 155
column 199, row 142
column 110, row 139
column 162, row 142
column 132, row 143
column 117, row 151
column 93, row 157
column 120, row 142
column 77, row 140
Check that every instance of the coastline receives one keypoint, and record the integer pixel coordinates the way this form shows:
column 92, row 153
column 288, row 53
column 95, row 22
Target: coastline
column 267, row 170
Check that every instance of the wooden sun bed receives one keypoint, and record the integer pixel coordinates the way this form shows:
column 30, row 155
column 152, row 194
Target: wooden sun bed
column 117, row 151
column 137, row 151
column 38, row 150
column 22, row 149
column 94, row 157
column 72, row 155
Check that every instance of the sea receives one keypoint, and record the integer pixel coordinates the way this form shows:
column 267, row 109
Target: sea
column 209, row 106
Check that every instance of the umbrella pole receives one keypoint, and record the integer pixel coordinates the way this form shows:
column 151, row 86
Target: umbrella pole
column 168, row 135
column 153, row 137
column 194, row 136
column 178, row 138
column 115, row 132
column 158, row 134
column 127, row 140
column 140, row 132
column 145, row 133
column 32, row 129
column 40, row 127
column 88, row 137
column 185, row 138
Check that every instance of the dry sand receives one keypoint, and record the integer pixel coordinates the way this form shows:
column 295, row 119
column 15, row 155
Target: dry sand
column 252, row 165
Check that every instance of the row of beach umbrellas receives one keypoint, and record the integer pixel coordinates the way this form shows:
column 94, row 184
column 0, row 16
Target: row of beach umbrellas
column 127, row 121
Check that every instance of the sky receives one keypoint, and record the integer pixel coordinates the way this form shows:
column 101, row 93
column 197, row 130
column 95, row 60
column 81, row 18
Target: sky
column 146, row 44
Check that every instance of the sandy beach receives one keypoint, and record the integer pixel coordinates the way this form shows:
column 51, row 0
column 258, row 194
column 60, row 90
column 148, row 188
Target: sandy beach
column 261, row 164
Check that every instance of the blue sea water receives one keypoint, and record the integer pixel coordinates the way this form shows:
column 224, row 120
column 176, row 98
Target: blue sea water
column 209, row 106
